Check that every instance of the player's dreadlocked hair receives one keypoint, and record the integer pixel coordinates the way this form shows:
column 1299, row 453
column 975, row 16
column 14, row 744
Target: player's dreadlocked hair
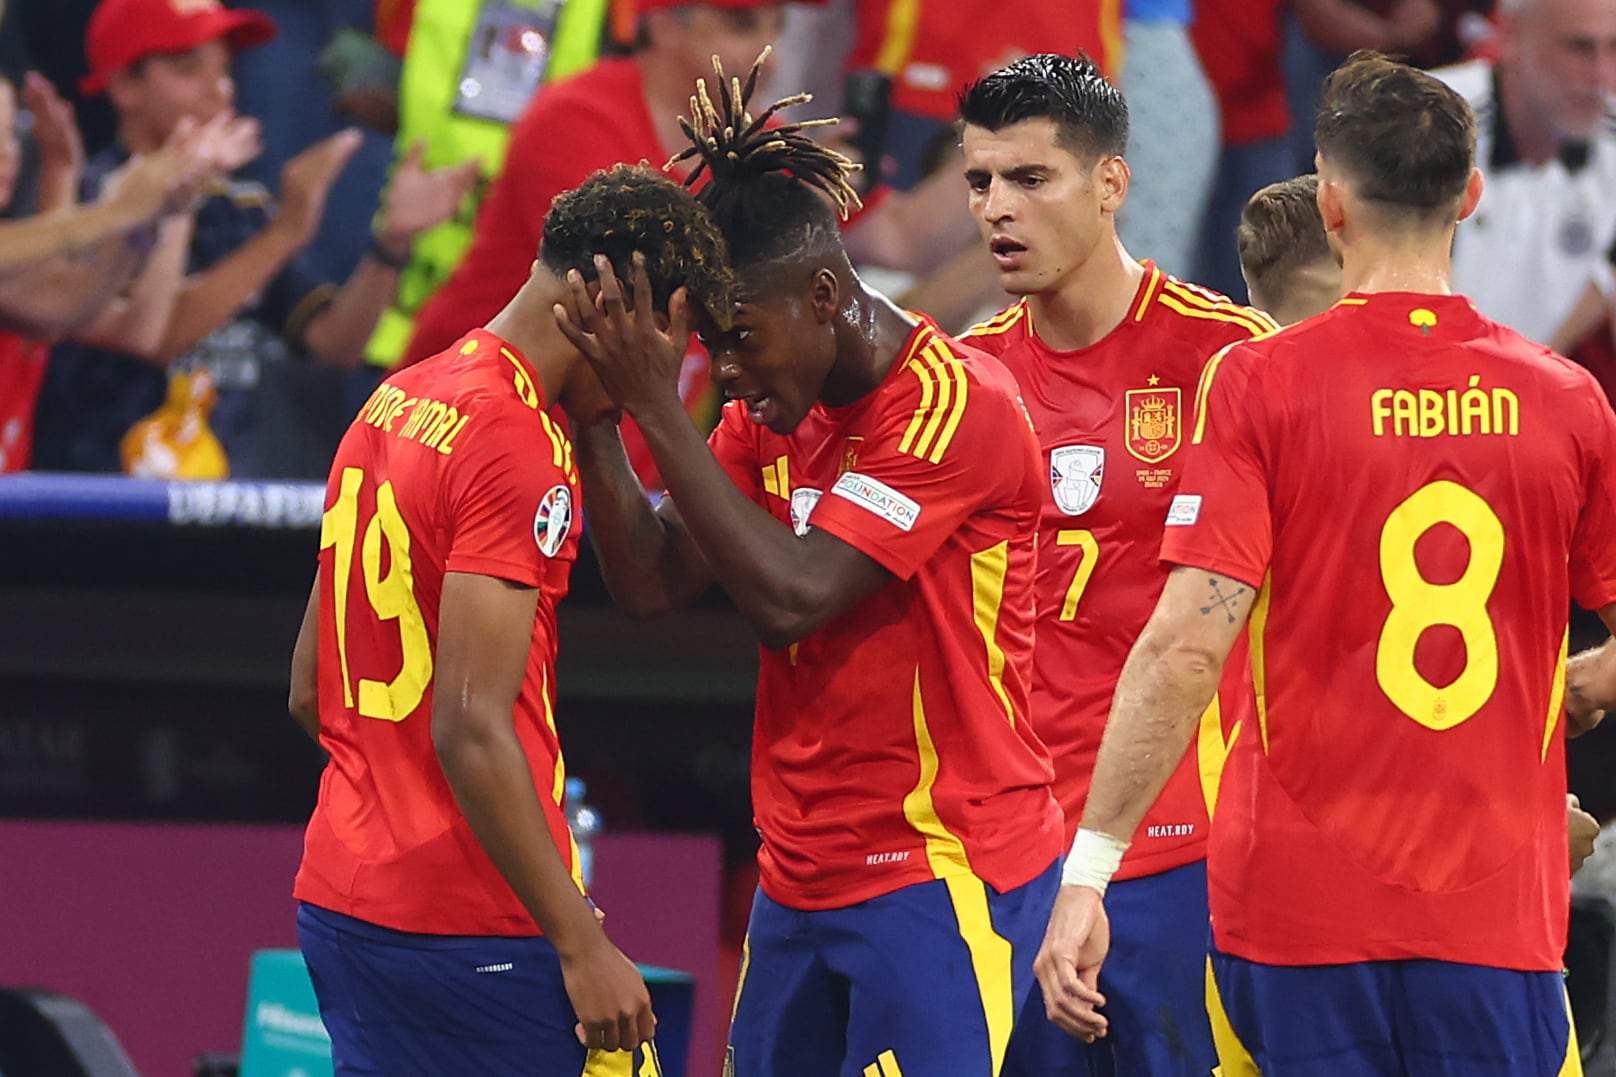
column 768, row 187
column 631, row 208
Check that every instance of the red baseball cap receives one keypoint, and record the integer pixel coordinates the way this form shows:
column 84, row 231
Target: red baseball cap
column 123, row 31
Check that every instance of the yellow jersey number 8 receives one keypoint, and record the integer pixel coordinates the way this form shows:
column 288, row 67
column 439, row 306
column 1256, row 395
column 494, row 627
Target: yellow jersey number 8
column 1418, row 604
column 392, row 596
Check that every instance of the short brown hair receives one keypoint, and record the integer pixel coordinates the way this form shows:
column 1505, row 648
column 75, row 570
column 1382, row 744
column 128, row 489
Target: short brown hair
column 1281, row 231
column 1405, row 140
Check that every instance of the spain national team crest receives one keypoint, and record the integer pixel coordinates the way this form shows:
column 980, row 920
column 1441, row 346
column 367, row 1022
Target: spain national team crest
column 1075, row 474
column 1153, row 423
column 553, row 520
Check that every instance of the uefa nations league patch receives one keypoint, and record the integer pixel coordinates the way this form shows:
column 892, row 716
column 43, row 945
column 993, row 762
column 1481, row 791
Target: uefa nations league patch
column 553, row 520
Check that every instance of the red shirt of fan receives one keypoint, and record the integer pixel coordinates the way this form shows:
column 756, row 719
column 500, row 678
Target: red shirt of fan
column 1112, row 421
column 22, row 371
column 892, row 746
column 452, row 466
column 1419, row 493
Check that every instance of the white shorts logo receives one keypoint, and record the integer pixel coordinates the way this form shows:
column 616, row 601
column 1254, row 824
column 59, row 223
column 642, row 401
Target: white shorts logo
column 1075, row 473
column 879, row 498
column 803, row 501
column 553, row 520
column 1184, row 511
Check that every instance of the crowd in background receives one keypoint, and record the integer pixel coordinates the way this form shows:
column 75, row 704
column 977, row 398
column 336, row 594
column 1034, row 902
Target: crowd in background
column 244, row 217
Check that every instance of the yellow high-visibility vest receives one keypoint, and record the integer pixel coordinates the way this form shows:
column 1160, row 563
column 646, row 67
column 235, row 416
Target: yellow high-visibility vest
column 441, row 35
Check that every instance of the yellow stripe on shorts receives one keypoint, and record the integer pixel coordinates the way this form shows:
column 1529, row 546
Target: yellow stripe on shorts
column 1233, row 1058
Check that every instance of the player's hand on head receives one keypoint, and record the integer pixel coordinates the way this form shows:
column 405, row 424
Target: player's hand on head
column 636, row 358
column 608, row 995
column 1068, row 962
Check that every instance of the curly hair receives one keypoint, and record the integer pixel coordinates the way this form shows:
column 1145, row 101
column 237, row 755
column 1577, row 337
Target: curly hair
column 770, row 189
column 630, row 208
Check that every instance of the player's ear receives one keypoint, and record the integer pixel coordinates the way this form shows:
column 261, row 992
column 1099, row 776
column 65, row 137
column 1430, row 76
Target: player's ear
column 824, row 295
column 1113, row 176
column 1331, row 205
column 1472, row 194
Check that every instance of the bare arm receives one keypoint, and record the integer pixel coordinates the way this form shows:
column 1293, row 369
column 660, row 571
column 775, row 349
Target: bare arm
column 136, row 321
column 416, row 200
column 1170, row 677
column 786, row 586
column 650, row 563
column 303, row 699
column 958, row 293
column 485, row 630
column 90, row 252
column 66, row 266
column 1344, row 26
column 1591, row 682
column 916, row 230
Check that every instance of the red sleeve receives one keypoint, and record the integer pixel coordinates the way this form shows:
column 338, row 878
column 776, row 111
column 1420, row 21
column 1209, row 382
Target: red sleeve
column 1593, row 543
column 1220, row 519
column 927, row 465
column 511, row 508
column 734, row 444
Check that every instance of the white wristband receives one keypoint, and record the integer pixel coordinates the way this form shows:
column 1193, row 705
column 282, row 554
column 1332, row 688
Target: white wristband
column 1094, row 858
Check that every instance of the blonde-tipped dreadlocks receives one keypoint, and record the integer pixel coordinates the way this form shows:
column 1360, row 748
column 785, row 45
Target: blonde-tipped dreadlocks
column 733, row 146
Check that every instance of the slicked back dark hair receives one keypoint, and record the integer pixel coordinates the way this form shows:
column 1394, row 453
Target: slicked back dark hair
column 1406, row 140
column 774, row 192
column 1089, row 113
column 631, row 208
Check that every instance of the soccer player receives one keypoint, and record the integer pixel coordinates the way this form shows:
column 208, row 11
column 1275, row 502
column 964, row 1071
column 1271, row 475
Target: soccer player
column 438, row 852
column 870, row 503
column 1107, row 351
column 1292, row 273
column 1285, row 258
column 1403, row 498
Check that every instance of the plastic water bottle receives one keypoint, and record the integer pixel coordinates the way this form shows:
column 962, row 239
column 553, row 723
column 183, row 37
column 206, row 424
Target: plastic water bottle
column 584, row 822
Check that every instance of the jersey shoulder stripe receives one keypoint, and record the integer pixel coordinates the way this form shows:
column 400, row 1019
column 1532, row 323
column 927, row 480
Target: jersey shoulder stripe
column 1001, row 322
column 944, row 391
column 1197, row 303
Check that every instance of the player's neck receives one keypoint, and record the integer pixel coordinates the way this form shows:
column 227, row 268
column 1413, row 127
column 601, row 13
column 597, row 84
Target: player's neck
column 870, row 336
column 1090, row 302
column 528, row 324
column 1423, row 266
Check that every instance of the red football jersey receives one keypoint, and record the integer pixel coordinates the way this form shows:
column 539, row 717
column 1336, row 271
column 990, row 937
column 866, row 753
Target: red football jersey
column 1419, row 493
column 892, row 746
column 1111, row 421
column 452, row 466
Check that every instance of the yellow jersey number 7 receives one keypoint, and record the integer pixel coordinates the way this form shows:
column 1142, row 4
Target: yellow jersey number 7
column 391, row 596
column 1090, row 549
